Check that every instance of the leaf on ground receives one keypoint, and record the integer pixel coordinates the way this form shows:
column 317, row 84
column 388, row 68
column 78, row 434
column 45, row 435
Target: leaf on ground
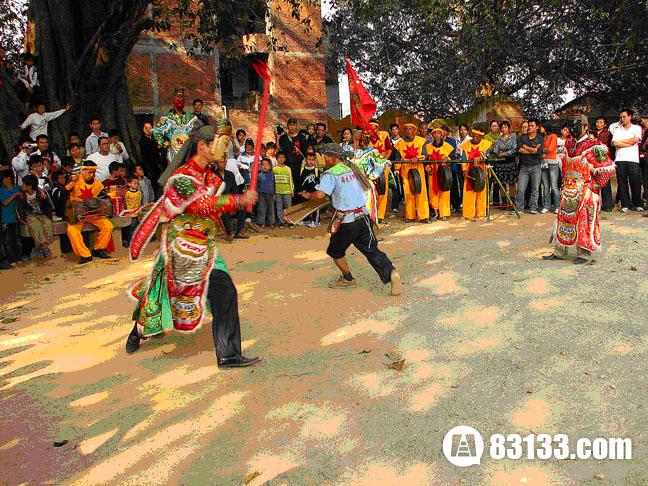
column 365, row 351
column 563, row 353
column 396, row 365
column 599, row 476
column 9, row 320
column 633, row 268
column 61, row 443
column 250, row 477
column 394, row 355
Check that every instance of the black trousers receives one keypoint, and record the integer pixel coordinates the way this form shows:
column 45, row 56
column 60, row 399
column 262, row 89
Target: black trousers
column 360, row 234
column 226, row 326
column 629, row 173
column 456, row 191
column 12, row 242
column 607, row 203
column 643, row 164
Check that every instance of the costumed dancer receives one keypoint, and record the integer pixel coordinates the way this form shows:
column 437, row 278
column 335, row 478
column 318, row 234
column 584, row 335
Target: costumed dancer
column 373, row 165
column 85, row 191
column 188, row 269
column 411, row 150
column 346, row 184
column 438, row 149
column 172, row 131
column 474, row 150
column 380, row 140
column 586, row 169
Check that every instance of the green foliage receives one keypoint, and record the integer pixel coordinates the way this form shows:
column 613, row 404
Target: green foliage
column 434, row 57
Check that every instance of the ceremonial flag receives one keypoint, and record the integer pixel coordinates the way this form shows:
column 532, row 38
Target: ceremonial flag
column 363, row 107
column 264, row 73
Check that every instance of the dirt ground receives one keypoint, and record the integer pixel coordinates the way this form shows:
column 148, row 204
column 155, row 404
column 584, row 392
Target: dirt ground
column 492, row 337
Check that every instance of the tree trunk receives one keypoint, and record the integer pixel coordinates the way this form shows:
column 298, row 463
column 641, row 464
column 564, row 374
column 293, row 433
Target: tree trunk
column 10, row 118
column 82, row 48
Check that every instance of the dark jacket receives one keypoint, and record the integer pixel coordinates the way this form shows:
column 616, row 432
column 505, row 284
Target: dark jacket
column 60, row 196
column 24, row 210
column 153, row 161
column 230, row 183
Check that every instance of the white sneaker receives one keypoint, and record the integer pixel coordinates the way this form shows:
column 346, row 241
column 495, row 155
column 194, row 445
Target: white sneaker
column 639, row 209
column 533, row 211
column 544, row 211
column 556, row 211
column 624, row 210
column 56, row 219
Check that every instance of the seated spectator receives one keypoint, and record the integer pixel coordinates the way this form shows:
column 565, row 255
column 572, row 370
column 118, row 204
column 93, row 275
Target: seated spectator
column 59, row 193
column 34, row 210
column 28, row 86
column 43, row 145
column 37, row 169
column 37, row 121
column 102, row 158
column 117, row 147
column 67, row 167
column 245, row 160
column 74, row 158
column 9, row 196
column 83, row 187
column 284, row 188
column 145, row 186
column 309, row 178
column 266, row 188
column 133, row 201
column 117, row 176
column 20, row 163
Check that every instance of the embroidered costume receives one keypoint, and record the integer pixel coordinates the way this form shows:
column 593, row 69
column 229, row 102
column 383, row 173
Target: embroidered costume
column 474, row 203
column 172, row 131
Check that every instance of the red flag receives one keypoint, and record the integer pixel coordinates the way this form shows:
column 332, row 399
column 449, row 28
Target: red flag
column 264, row 73
column 363, row 107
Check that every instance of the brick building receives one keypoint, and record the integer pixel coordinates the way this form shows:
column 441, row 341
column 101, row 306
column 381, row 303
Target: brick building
column 298, row 88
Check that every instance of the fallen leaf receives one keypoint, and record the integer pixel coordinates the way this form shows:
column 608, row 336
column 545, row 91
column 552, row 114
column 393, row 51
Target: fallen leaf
column 613, row 387
column 454, row 385
column 591, row 262
column 599, row 476
column 365, row 351
column 529, row 390
column 61, row 443
column 9, row 320
column 633, row 268
column 396, row 365
column 394, row 355
column 250, row 477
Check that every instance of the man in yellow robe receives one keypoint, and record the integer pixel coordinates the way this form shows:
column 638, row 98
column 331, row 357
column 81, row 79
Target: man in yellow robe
column 84, row 186
column 411, row 150
column 474, row 150
column 437, row 150
column 380, row 141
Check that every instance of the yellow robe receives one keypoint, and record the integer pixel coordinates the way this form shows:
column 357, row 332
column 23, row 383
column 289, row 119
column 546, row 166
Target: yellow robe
column 439, row 200
column 80, row 190
column 416, row 205
column 474, row 203
column 381, row 145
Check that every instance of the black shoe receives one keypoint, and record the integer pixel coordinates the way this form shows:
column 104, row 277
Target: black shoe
column 5, row 265
column 237, row 362
column 551, row 257
column 101, row 254
column 579, row 261
column 133, row 342
column 240, row 236
column 84, row 260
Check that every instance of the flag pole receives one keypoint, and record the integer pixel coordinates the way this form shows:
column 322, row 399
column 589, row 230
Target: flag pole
column 262, row 70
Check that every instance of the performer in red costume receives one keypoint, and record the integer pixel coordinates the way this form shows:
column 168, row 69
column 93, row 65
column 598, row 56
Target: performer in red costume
column 189, row 269
column 586, row 169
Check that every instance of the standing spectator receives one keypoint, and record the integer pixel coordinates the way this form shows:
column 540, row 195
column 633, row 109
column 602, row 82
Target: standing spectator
column 74, row 158
column 245, row 161
column 197, row 107
column 626, row 139
column 643, row 158
column 231, row 187
column 28, row 86
column 320, row 136
column 505, row 147
column 34, row 210
column 550, row 167
column 9, row 196
column 44, row 146
column 493, row 131
column 394, row 133
column 266, row 188
column 117, row 147
column 284, row 188
column 145, row 186
column 346, row 142
column 152, row 156
column 423, row 130
column 309, row 178
column 310, row 133
column 530, row 148
column 132, row 201
column 524, row 127
column 103, row 158
column 605, row 137
column 37, row 121
column 293, row 145
column 74, row 137
column 92, row 142
column 238, row 143
column 456, row 192
column 20, row 163
column 271, row 153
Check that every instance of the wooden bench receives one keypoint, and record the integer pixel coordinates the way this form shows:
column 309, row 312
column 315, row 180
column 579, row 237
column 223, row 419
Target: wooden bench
column 60, row 228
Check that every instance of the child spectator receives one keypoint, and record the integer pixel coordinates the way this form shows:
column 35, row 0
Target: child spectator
column 117, row 177
column 271, row 153
column 68, row 168
column 245, row 160
column 37, row 169
column 9, row 196
column 75, row 138
column 74, row 159
column 284, row 188
column 145, row 186
column 133, row 200
column 266, row 189
column 231, row 187
column 34, row 209
column 117, row 147
column 60, row 195
column 309, row 178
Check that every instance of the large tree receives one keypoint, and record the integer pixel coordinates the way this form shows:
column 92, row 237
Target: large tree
column 83, row 48
column 433, row 56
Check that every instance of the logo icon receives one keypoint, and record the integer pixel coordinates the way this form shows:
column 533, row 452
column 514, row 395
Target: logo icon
column 463, row 446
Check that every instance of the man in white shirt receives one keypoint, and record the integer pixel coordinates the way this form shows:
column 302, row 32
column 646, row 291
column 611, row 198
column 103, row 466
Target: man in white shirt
column 103, row 158
column 43, row 145
column 37, row 121
column 92, row 142
column 20, row 163
column 626, row 138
